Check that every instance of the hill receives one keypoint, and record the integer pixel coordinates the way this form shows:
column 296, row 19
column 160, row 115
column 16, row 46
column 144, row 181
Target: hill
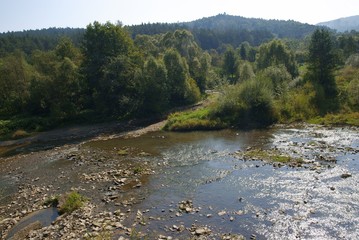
column 343, row 24
column 211, row 32
column 280, row 28
column 42, row 39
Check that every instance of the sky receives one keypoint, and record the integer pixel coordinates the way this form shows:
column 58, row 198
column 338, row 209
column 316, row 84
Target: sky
column 18, row 15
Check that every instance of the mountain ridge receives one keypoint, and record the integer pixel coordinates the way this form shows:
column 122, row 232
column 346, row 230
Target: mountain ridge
column 342, row 24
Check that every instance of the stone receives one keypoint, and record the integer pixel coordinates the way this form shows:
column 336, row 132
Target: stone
column 221, row 213
column 26, row 230
column 202, row 231
column 345, row 175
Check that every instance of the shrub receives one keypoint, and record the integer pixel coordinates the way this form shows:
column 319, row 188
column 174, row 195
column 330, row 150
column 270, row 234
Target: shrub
column 71, row 202
column 353, row 94
column 297, row 105
column 194, row 120
column 247, row 105
column 20, row 133
column 353, row 60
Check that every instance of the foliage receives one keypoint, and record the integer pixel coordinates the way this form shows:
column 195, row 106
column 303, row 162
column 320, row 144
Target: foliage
column 71, row 202
column 321, row 65
column 230, row 66
column 247, row 105
column 182, row 88
column 278, row 78
column 110, row 68
column 270, row 155
column 246, row 71
column 29, row 124
column 297, row 104
column 52, row 77
column 276, row 53
column 353, row 60
column 156, row 98
column 43, row 40
column 200, row 119
column 15, row 75
column 338, row 119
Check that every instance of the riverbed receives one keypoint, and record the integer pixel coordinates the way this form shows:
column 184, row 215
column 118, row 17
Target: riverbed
column 183, row 185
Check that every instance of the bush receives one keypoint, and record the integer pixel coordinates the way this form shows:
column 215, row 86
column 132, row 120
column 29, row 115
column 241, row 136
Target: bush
column 297, row 105
column 353, row 94
column 70, row 202
column 247, row 105
column 353, row 60
column 194, row 120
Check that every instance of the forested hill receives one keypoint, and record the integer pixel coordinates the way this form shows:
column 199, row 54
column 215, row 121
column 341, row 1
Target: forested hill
column 343, row 24
column 280, row 28
column 44, row 39
column 212, row 32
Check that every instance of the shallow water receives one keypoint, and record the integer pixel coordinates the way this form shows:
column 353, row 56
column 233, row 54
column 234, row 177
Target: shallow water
column 236, row 196
column 44, row 216
column 268, row 202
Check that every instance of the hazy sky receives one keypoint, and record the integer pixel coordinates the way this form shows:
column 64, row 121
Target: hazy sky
column 17, row 15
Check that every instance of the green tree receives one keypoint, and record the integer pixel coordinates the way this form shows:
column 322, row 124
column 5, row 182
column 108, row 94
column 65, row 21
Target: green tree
column 230, row 66
column 111, row 64
column 155, row 88
column 55, row 87
column 102, row 43
column 15, row 75
column 321, row 63
column 279, row 78
column 183, row 89
column 276, row 53
column 246, row 71
column 177, row 75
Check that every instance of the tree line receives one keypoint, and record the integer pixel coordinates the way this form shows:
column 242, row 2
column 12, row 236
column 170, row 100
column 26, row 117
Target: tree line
column 110, row 74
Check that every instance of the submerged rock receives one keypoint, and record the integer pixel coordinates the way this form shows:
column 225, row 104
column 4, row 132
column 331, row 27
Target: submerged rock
column 345, row 175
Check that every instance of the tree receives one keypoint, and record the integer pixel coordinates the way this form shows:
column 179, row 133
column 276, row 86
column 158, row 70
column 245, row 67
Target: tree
column 102, row 43
column 230, row 66
column 321, row 63
column 110, row 67
column 246, row 71
column 276, row 53
column 182, row 88
column 279, row 78
column 55, row 86
column 15, row 75
column 156, row 89
column 177, row 75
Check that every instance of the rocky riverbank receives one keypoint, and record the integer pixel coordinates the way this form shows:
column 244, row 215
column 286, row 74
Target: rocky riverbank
column 115, row 183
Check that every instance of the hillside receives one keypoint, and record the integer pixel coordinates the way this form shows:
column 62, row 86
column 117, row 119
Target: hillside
column 280, row 28
column 343, row 24
column 212, row 32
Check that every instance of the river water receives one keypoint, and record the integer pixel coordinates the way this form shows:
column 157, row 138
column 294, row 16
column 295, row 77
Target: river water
column 253, row 198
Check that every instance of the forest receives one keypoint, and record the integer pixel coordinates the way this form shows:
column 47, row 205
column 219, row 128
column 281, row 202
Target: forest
column 255, row 74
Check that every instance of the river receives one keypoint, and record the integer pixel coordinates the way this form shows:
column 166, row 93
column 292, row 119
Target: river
column 229, row 195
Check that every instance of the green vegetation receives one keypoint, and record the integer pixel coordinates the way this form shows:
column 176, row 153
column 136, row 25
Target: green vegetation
column 193, row 120
column 101, row 73
column 270, row 155
column 71, row 202
column 338, row 119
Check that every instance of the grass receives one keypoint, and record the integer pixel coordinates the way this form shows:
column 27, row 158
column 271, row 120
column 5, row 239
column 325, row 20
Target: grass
column 271, row 155
column 71, row 202
column 338, row 119
column 123, row 152
column 199, row 119
column 20, row 126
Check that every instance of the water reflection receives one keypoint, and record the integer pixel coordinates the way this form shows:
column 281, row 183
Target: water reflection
column 257, row 198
